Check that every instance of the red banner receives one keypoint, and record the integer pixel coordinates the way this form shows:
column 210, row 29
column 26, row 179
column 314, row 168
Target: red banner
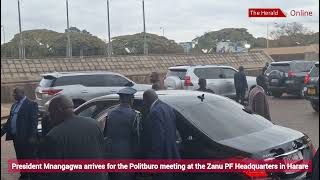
column 208, row 166
column 265, row 12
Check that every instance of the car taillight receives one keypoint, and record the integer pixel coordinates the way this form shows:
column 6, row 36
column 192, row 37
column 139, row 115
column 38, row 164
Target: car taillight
column 187, row 81
column 291, row 74
column 256, row 173
column 51, row 91
column 307, row 78
column 252, row 173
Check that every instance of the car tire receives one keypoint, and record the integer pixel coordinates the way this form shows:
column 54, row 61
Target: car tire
column 315, row 106
column 173, row 82
column 276, row 94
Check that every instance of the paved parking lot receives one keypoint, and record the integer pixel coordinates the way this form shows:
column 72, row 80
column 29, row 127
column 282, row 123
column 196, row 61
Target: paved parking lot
column 286, row 111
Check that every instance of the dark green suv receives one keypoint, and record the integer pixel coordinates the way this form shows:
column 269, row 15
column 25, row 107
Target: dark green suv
column 287, row 77
column 311, row 90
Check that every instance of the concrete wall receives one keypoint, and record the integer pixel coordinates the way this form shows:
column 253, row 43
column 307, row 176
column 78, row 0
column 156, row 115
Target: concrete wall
column 15, row 72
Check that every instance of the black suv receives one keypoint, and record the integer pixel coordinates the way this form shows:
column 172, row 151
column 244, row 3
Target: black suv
column 311, row 90
column 287, row 77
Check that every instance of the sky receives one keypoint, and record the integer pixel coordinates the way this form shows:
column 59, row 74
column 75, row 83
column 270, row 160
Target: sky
column 181, row 20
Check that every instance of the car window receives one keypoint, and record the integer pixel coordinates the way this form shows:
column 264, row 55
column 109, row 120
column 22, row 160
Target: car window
column 47, row 81
column 228, row 72
column 116, row 81
column 303, row 66
column 315, row 71
column 207, row 73
column 68, row 80
column 94, row 81
column 283, row 67
column 212, row 117
column 181, row 73
column 93, row 109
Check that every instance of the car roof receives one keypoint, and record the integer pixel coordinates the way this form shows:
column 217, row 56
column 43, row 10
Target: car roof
column 198, row 66
column 78, row 73
column 174, row 93
column 289, row 62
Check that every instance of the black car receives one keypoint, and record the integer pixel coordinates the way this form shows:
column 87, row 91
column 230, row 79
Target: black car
column 215, row 127
column 287, row 77
column 311, row 90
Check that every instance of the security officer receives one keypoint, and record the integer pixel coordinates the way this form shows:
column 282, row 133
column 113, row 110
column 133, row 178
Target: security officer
column 123, row 130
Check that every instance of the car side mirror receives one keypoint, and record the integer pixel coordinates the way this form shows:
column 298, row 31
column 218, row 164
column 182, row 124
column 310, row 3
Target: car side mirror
column 129, row 84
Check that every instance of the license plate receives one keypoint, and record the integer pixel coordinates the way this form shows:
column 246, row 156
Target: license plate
column 293, row 158
column 274, row 80
column 311, row 91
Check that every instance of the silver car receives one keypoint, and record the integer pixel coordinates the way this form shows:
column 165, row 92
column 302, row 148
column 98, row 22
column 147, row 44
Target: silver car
column 219, row 78
column 81, row 86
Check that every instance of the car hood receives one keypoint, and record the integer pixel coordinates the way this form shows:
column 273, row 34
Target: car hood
column 263, row 140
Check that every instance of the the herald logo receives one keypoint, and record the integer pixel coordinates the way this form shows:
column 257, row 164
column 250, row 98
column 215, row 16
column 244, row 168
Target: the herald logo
column 265, row 12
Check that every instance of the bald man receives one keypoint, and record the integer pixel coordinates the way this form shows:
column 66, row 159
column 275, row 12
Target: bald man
column 159, row 131
column 72, row 137
column 21, row 126
column 157, row 84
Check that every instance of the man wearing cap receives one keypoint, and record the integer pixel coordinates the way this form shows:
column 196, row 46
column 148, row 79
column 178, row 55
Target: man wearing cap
column 123, row 130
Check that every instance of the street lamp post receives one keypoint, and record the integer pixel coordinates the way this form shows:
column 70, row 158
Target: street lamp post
column 162, row 31
column 69, row 48
column 267, row 35
column 4, row 37
column 21, row 45
column 145, row 45
column 109, row 36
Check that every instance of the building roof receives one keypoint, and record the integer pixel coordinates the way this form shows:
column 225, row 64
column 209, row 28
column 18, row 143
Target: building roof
column 289, row 50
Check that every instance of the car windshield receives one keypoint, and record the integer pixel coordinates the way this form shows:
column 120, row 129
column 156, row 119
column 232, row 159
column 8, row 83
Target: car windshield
column 303, row 66
column 213, row 117
column 283, row 67
column 47, row 81
column 181, row 73
column 315, row 71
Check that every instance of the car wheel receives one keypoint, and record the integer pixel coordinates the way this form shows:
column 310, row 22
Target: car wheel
column 276, row 94
column 301, row 93
column 173, row 82
column 315, row 106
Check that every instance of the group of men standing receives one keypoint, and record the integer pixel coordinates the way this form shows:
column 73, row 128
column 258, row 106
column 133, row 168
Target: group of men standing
column 76, row 137
column 257, row 98
column 129, row 137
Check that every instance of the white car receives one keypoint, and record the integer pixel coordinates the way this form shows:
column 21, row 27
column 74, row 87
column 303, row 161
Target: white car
column 219, row 79
column 81, row 86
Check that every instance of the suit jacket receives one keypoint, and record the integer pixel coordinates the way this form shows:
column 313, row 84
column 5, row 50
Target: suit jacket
column 75, row 138
column 26, row 123
column 159, row 133
column 240, row 81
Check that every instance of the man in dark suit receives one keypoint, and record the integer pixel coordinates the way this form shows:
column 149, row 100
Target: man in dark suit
column 72, row 137
column 159, row 131
column 21, row 127
column 241, row 85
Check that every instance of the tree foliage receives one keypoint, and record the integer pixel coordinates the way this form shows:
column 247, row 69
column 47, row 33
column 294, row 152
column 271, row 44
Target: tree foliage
column 133, row 44
column 47, row 43
column 210, row 39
